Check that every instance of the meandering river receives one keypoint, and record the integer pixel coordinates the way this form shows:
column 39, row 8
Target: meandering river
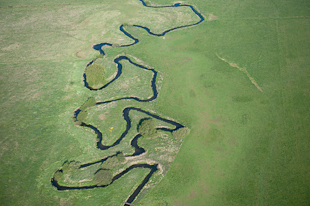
column 134, row 142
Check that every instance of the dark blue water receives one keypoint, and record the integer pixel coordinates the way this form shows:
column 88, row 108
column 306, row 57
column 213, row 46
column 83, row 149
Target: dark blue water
column 126, row 111
column 98, row 47
column 152, row 167
column 119, row 73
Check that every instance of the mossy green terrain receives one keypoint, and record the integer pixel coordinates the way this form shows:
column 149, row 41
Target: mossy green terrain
column 245, row 146
column 95, row 76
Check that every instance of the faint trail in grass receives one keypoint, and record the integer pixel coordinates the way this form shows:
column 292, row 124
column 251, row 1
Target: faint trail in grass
column 242, row 70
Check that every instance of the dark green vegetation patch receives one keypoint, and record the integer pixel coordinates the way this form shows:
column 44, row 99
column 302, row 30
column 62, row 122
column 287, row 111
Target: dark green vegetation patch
column 103, row 177
column 180, row 133
column 245, row 147
column 147, row 127
column 95, row 75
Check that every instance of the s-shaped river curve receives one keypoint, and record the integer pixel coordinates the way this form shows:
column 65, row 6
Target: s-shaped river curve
column 126, row 111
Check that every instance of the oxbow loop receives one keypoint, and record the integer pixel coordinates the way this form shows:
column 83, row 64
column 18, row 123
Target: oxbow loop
column 94, row 79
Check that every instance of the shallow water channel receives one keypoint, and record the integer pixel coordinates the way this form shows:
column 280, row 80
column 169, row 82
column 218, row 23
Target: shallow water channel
column 126, row 111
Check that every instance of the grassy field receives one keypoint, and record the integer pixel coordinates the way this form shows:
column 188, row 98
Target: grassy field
column 246, row 146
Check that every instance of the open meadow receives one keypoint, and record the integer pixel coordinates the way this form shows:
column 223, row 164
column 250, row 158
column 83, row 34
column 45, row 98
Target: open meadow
column 238, row 81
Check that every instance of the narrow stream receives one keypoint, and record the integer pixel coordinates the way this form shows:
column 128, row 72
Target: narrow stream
column 126, row 111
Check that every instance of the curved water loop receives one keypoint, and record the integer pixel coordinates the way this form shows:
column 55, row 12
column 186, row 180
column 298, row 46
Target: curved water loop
column 98, row 47
column 152, row 167
column 134, row 142
column 128, row 126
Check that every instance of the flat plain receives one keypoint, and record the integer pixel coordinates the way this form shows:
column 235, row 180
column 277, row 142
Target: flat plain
column 245, row 147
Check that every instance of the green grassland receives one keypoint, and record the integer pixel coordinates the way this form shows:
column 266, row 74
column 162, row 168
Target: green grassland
column 245, row 147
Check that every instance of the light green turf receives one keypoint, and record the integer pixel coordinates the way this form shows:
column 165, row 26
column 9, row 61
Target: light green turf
column 44, row 51
column 245, row 147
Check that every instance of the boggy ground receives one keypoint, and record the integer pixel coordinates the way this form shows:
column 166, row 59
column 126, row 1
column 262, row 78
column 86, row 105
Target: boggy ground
column 119, row 137
column 76, row 177
column 110, row 169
